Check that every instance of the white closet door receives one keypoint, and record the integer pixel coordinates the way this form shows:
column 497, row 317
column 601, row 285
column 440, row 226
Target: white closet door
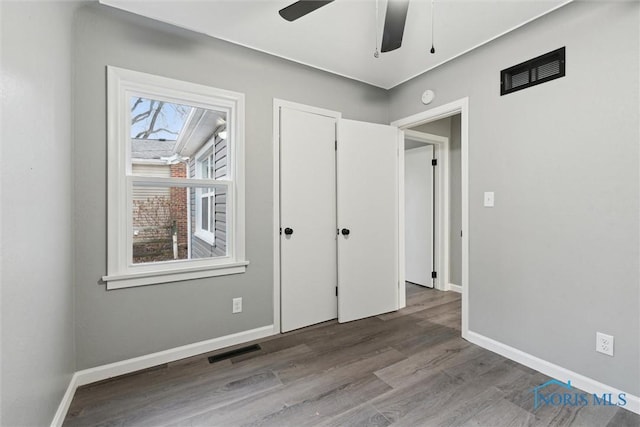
column 368, row 209
column 308, row 209
column 418, row 213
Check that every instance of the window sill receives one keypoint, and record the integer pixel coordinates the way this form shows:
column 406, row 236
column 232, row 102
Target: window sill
column 119, row 281
column 206, row 236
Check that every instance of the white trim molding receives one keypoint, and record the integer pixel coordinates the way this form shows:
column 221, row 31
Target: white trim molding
column 402, row 284
column 104, row 372
column 63, row 408
column 454, row 288
column 122, row 272
column 461, row 106
column 99, row 373
column 582, row 382
column 441, row 232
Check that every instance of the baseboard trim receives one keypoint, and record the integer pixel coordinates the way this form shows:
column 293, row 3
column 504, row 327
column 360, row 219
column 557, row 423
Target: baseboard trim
column 63, row 408
column 582, row 382
column 454, row 288
column 99, row 373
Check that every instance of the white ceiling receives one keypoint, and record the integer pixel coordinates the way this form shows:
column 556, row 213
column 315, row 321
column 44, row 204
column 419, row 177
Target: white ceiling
column 340, row 37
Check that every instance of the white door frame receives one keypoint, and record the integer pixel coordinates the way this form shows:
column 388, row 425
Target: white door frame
column 461, row 107
column 441, row 232
column 277, row 104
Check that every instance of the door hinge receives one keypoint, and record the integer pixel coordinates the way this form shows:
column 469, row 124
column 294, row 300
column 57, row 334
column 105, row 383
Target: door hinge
column 434, row 162
column 434, row 275
column 281, row 231
column 336, row 145
column 336, row 291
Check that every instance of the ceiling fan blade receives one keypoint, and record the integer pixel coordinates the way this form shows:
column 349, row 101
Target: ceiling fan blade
column 394, row 24
column 300, row 8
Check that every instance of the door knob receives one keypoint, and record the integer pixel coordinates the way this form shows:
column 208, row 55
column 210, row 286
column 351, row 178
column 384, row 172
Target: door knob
column 288, row 231
column 345, row 231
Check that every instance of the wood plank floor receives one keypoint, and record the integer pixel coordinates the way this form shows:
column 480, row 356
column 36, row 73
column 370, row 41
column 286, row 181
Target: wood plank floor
column 407, row 368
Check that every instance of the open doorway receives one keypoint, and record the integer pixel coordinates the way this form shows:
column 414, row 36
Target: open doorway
column 433, row 206
column 461, row 107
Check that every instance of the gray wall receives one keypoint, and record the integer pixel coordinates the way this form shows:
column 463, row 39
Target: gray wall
column 116, row 325
column 440, row 127
column 557, row 259
column 38, row 351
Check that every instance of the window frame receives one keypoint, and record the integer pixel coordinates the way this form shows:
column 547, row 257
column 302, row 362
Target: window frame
column 208, row 152
column 122, row 84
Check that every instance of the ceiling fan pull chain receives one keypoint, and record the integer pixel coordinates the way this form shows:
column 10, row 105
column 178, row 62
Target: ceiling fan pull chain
column 376, row 54
column 433, row 49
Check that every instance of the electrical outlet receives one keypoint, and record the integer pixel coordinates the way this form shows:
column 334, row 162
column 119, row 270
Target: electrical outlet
column 237, row 305
column 604, row 343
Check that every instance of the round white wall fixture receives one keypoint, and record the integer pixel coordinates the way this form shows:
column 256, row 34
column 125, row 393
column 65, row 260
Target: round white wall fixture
column 428, row 96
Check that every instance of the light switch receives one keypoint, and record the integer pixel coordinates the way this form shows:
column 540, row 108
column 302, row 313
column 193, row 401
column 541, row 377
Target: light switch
column 488, row 199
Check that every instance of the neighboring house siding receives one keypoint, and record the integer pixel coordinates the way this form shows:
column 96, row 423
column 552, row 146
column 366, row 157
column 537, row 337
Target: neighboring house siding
column 149, row 218
column 221, row 158
column 221, row 224
column 161, row 171
column 155, row 212
column 221, row 199
column 199, row 247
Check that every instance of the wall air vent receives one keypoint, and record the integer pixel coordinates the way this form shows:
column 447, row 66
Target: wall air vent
column 538, row 70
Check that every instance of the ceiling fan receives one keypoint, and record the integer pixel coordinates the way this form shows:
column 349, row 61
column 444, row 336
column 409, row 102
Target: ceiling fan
column 394, row 21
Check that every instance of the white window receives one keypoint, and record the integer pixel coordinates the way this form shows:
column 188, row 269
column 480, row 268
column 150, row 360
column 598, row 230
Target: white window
column 212, row 163
column 175, row 180
column 205, row 197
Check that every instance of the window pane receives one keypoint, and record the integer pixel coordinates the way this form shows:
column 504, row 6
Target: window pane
column 204, row 215
column 220, row 218
column 221, row 169
column 178, row 223
column 212, row 208
column 164, row 136
column 156, row 120
column 211, row 172
column 204, row 169
column 212, row 241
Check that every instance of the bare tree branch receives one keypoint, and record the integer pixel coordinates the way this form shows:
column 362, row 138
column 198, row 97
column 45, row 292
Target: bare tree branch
column 156, row 114
column 145, row 114
column 140, row 117
column 138, row 102
column 154, row 118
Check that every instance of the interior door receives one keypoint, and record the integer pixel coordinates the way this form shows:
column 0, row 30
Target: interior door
column 307, row 218
column 367, row 170
column 418, row 214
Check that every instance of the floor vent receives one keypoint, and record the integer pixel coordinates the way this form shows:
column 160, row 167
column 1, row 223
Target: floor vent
column 233, row 353
column 544, row 68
